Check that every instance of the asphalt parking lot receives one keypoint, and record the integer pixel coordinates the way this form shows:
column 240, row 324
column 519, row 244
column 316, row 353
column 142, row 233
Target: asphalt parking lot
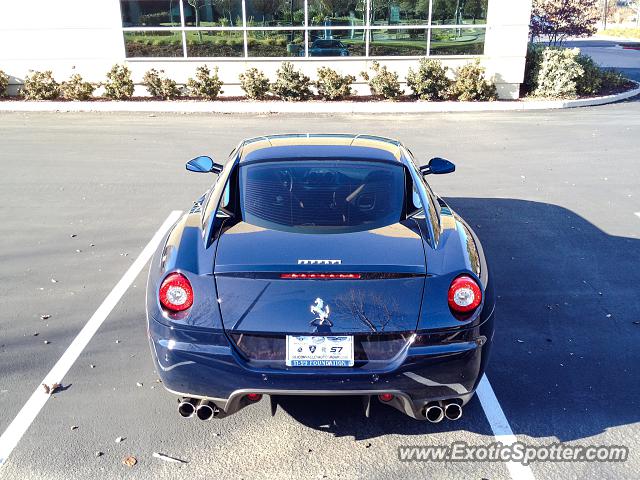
column 554, row 197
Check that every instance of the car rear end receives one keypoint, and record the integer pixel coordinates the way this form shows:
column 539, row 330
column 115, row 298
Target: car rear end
column 321, row 286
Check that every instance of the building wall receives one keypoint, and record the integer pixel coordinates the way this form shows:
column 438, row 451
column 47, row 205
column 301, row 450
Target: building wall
column 76, row 36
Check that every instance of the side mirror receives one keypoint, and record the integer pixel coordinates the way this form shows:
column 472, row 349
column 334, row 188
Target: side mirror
column 438, row 166
column 203, row 164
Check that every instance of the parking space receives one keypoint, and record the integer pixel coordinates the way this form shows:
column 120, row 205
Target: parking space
column 552, row 195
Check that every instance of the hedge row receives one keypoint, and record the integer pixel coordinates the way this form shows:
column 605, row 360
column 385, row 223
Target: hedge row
column 430, row 81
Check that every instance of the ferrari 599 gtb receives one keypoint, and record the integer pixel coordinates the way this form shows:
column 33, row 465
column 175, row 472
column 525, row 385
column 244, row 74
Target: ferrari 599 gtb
column 320, row 265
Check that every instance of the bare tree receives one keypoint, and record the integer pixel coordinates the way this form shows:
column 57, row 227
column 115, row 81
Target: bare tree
column 559, row 19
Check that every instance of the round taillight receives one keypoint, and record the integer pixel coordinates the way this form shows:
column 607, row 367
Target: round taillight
column 464, row 295
column 385, row 397
column 176, row 293
column 254, row 397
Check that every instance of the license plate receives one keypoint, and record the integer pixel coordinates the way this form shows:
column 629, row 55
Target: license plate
column 319, row 351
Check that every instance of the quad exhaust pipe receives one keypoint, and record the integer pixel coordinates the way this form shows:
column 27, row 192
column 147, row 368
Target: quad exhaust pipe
column 435, row 413
column 203, row 409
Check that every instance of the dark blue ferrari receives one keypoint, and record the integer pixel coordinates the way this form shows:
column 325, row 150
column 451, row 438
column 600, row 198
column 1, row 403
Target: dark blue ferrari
column 320, row 264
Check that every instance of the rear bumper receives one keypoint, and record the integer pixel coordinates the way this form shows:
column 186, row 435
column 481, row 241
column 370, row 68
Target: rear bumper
column 205, row 365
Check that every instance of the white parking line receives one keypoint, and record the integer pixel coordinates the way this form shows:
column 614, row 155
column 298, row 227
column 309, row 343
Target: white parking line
column 30, row 410
column 500, row 427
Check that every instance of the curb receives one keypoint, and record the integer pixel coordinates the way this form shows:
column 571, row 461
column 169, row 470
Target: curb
column 313, row 107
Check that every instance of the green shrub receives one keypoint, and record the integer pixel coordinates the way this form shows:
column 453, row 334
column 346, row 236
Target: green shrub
column 611, row 80
column 559, row 72
column 254, row 83
column 159, row 85
column 119, row 85
column 384, row 83
column 290, row 84
column 77, row 89
column 470, row 84
column 590, row 82
column 205, row 84
column 430, row 81
column 333, row 86
column 4, row 83
column 40, row 86
column 531, row 68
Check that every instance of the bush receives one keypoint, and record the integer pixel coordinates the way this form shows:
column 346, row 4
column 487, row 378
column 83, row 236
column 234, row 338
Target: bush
column 531, row 68
column 333, row 86
column 254, row 83
column 611, row 80
column 206, row 84
column 77, row 89
column 471, row 85
column 119, row 85
column 590, row 82
column 559, row 72
column 430, row 81
column 4, row 83
column 159, row 85
column 290, row 84
column 384, row 83
column 41, row 86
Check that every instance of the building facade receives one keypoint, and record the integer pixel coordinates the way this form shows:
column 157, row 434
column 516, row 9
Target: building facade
column 76, row 36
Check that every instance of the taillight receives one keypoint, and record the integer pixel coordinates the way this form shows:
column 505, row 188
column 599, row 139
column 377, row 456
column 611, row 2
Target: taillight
column 321, row 276
column 254, row 397
column 385, row 397
column 464, row 295
column 176, row 293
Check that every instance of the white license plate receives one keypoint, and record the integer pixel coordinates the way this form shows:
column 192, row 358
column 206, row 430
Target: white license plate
column 319, row 351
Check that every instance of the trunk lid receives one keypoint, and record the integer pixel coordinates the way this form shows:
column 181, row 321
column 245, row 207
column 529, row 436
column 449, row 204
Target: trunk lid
column 254, row 298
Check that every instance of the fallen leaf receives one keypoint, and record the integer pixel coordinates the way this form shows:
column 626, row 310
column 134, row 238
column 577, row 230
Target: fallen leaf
column 73, row 235
column 53, row 280
column 46, row 342
column 130, row 461
column 138, row 384
column 51, row 389
column 119, row 439
column 45, row 317
column 74, row 427
column 98, row 454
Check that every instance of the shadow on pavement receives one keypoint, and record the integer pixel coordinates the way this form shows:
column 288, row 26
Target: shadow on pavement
column 565, row 362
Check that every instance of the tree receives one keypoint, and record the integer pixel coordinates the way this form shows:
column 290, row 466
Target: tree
column 197, row 5
column 559, row 19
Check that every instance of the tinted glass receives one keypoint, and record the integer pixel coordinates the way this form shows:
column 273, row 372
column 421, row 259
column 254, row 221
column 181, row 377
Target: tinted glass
column 322, row 196
column 215, row 43
column 457, row 41
column 275, row 13
column 213, row 13
column 153, row 44
column 275, row 43
column 336, row 43
column 336, row 13
column 407, row 12
column 150, row 13
column 396, row 42
column 456, row 12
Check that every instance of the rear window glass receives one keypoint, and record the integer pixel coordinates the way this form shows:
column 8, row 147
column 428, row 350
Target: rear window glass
column 322, row 196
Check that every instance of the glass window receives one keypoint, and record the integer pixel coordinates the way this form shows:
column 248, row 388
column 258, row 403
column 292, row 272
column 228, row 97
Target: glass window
column 275, row 43
column 393, row 12
column 459, row 12
column 391, row 43
column 336, row 43
column 213, row 13
column 457, row 41
column 150, row 13
column 153, row 44
column 336, row 13
column 275, row 13
column 215, row 43
column 322, row 196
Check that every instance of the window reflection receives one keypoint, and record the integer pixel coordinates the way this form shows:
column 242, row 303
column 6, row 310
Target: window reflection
column 336, row 43
column 391, row 43
column 459, row 12
column 406, row 12
column 213, row 13
column 275, row 13
column 457, row 41
column 215, row 43
column 150, row 13
column 275, row 43
column 153, row 44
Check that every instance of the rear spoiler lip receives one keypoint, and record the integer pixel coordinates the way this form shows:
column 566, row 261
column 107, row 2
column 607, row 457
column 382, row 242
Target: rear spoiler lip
column 267, row 270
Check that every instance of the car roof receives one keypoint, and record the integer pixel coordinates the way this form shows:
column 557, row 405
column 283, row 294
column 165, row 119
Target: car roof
column 320, row 146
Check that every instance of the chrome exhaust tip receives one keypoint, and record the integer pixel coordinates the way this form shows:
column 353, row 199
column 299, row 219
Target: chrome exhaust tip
column 206, row 410
column 186, row 408
column 453, row 411
column 433, row 413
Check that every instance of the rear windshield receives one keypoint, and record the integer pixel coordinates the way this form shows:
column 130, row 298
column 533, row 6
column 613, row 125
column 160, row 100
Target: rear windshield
column 322, row 196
